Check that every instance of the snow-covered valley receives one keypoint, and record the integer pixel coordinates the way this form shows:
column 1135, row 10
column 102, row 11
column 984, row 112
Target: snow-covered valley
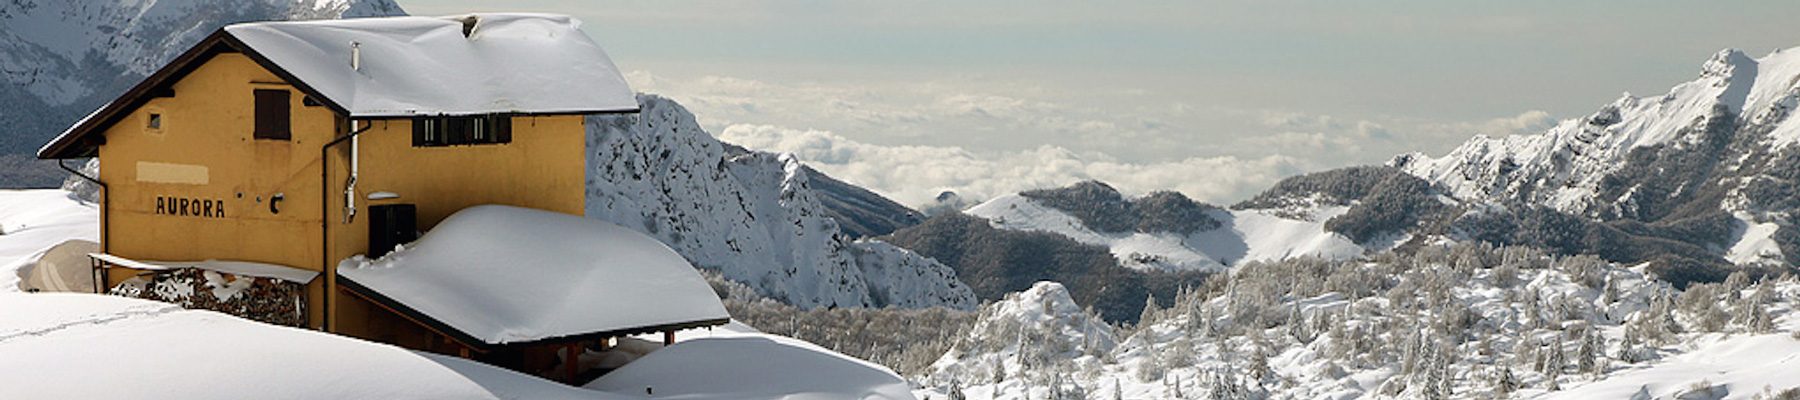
column 1242, row 236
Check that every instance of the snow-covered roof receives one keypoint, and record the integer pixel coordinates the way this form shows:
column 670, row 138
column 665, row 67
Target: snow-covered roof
column 507, row 63
column 507, row 275
column 396, row 67
column 241, row 268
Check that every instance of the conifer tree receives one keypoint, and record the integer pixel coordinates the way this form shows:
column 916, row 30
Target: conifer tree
column 1505, row 382
column 1151, row 309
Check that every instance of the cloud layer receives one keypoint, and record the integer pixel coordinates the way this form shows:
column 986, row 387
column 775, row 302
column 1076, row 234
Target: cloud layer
column 986, row 136
column 914, row 174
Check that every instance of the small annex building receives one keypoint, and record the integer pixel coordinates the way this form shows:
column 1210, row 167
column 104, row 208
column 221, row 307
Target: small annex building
column 301, row 145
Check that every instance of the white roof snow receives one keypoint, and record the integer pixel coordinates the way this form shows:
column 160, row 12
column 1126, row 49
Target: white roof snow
column 506, row 274
column 508, row 63
column 241, row 268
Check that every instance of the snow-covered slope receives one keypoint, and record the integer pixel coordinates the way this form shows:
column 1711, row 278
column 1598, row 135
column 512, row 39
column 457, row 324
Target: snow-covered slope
column 61, row 59
column 752, row 216
column 32, row 221
column 1460, row 322
column 1243, row 236
column 1717, row 367
column 1010, row 337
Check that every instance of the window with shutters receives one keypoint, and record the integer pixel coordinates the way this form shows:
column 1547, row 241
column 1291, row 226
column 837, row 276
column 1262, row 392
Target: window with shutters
column 272, row 114
column 453, row 131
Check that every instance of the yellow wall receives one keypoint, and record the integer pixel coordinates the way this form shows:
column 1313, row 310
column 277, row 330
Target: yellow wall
column 205, row 151
column 206, row 131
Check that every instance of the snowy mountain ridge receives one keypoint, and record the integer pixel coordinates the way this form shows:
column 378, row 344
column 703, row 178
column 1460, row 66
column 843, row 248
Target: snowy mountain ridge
column 1720, row 142
column 1563, row 167
column 752, row 216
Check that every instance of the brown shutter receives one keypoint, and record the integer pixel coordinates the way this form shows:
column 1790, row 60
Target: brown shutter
column 272, row 114
column 501, row 128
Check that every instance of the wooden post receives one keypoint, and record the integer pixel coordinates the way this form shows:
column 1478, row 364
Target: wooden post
column 668, row 338
column 572, row 363
column 605, row 344
column 463, row 351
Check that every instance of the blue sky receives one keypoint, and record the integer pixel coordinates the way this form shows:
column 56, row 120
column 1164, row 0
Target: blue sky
column 1216, row 99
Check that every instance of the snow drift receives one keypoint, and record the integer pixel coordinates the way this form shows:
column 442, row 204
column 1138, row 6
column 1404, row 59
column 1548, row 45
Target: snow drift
column 56, row 345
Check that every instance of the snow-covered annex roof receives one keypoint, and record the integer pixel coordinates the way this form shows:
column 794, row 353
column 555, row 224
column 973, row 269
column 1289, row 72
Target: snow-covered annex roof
column 495, row 275
column 400, row 67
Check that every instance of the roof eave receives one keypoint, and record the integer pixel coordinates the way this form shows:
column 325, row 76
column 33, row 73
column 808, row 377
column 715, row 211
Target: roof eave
column 470, row 341
column 80, row 140
column 372, row 116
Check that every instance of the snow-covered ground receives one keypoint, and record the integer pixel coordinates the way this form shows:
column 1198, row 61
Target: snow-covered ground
column 1755, row 242
column 729, row 365
column 1717, row 367
column 1244, row 236
column 32, row 221
column 65, row 345
column 72, row 345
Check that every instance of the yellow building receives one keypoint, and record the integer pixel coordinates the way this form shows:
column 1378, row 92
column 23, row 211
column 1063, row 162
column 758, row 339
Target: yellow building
column 270, row 142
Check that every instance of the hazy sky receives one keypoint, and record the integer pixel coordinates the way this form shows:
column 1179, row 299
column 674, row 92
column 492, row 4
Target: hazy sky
column 1215, row 99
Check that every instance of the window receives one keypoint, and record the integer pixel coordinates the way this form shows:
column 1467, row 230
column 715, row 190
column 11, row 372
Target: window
column 155, row 122
column 272, row 114
column 452, row 131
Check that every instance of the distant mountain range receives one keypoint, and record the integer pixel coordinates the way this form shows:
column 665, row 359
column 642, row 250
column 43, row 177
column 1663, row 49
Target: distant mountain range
column 1696, row 183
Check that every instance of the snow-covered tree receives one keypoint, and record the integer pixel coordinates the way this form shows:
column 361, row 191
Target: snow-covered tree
column 1505, row 382
column 1151, row 310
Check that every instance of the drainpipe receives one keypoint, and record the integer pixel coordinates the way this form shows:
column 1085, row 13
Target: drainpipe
column 330, row 270
column 105, row 226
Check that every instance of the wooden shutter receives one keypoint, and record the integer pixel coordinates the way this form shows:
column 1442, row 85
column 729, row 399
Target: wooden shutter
column 500, row 128
column 272, row 114
column 424, row 133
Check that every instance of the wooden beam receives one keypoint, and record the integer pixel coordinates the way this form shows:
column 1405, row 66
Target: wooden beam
column 572, row 363
column 668, row 338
